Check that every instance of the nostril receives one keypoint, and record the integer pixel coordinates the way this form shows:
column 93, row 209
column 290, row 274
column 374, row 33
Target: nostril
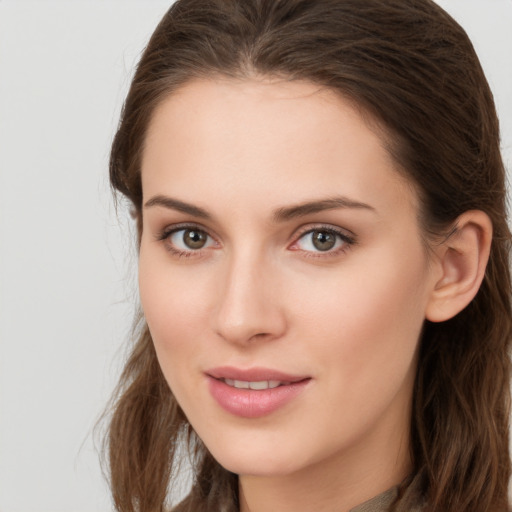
column 260, row 335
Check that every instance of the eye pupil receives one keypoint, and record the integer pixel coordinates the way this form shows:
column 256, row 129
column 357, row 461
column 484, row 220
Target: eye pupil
column 323, row 240
column 194, row 239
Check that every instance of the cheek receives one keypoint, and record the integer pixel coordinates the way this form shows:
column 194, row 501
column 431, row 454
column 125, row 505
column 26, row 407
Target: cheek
column 369, row 316
column 167, row 304
column 170, row 293
column 174, row 305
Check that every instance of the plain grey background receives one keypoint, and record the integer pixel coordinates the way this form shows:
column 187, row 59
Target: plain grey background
column 67, row 261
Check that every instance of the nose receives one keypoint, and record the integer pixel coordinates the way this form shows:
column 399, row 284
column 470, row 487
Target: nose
column 248, row 306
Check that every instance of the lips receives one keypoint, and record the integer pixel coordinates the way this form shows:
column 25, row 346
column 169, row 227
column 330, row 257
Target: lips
column 253, row 392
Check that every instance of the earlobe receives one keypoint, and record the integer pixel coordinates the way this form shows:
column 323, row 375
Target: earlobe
column 462, row 259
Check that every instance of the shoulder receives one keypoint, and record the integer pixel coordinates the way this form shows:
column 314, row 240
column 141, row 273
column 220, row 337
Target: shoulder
column 413, row 499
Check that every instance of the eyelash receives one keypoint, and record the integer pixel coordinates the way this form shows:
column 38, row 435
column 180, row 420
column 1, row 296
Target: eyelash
column 165, row 235
column 346, row 240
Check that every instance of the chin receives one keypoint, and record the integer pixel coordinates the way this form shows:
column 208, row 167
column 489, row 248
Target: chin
column 257, row 461
column 260, row 468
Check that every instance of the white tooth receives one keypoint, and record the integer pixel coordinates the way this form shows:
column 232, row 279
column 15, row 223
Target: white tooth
column 256, row 385
column 263, row 384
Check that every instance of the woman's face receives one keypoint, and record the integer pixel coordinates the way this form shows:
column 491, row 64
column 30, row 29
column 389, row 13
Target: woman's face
column 282, row 275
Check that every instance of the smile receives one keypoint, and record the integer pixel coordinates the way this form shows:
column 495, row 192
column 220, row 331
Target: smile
column 256, row 385
column 256, row 392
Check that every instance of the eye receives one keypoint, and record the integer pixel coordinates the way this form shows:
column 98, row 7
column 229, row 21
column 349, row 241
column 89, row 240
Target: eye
column 322, row 240
column 187, row 240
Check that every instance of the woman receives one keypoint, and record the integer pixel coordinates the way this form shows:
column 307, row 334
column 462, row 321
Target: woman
column 323, row 268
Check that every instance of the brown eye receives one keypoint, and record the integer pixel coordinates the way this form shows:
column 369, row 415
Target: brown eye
column 194, row 239
column 188, row 240
column 323, row 240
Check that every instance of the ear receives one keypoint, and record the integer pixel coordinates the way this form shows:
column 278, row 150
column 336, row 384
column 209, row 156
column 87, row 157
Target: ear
column 461, row 260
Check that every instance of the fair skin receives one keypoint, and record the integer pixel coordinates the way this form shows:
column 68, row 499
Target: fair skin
column 233, row 274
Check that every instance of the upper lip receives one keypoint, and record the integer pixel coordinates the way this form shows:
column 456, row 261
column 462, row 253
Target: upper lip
column 256, row 374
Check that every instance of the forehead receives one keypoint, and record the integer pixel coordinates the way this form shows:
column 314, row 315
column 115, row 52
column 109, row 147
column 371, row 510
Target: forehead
column 268, row 136
column 289, row 106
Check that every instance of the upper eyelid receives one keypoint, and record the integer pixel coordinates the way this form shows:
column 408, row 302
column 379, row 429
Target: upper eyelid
column 308, row 228
column 172, row 228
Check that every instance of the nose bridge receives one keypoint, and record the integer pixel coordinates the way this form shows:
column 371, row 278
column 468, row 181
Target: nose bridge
column 248, row 301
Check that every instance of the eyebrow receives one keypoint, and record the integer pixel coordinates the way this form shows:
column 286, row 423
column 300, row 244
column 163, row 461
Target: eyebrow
column 300, row 210
column 280, row 215
column 180, row 206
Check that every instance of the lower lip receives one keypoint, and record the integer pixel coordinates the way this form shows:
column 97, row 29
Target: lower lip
column 250, row 403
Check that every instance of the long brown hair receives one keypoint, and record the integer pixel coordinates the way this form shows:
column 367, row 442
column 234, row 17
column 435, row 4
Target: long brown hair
column 408, row 65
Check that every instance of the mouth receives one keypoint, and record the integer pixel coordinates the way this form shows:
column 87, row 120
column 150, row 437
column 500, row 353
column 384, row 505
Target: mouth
column 254, row 392
column 257, row 378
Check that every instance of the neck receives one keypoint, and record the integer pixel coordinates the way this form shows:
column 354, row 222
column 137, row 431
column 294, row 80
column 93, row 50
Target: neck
column 339, row 483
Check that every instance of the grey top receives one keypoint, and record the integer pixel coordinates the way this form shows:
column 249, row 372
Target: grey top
column 410, row 502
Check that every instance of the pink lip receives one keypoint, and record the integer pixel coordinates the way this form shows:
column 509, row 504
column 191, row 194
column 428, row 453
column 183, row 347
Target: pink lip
column 249, row 403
